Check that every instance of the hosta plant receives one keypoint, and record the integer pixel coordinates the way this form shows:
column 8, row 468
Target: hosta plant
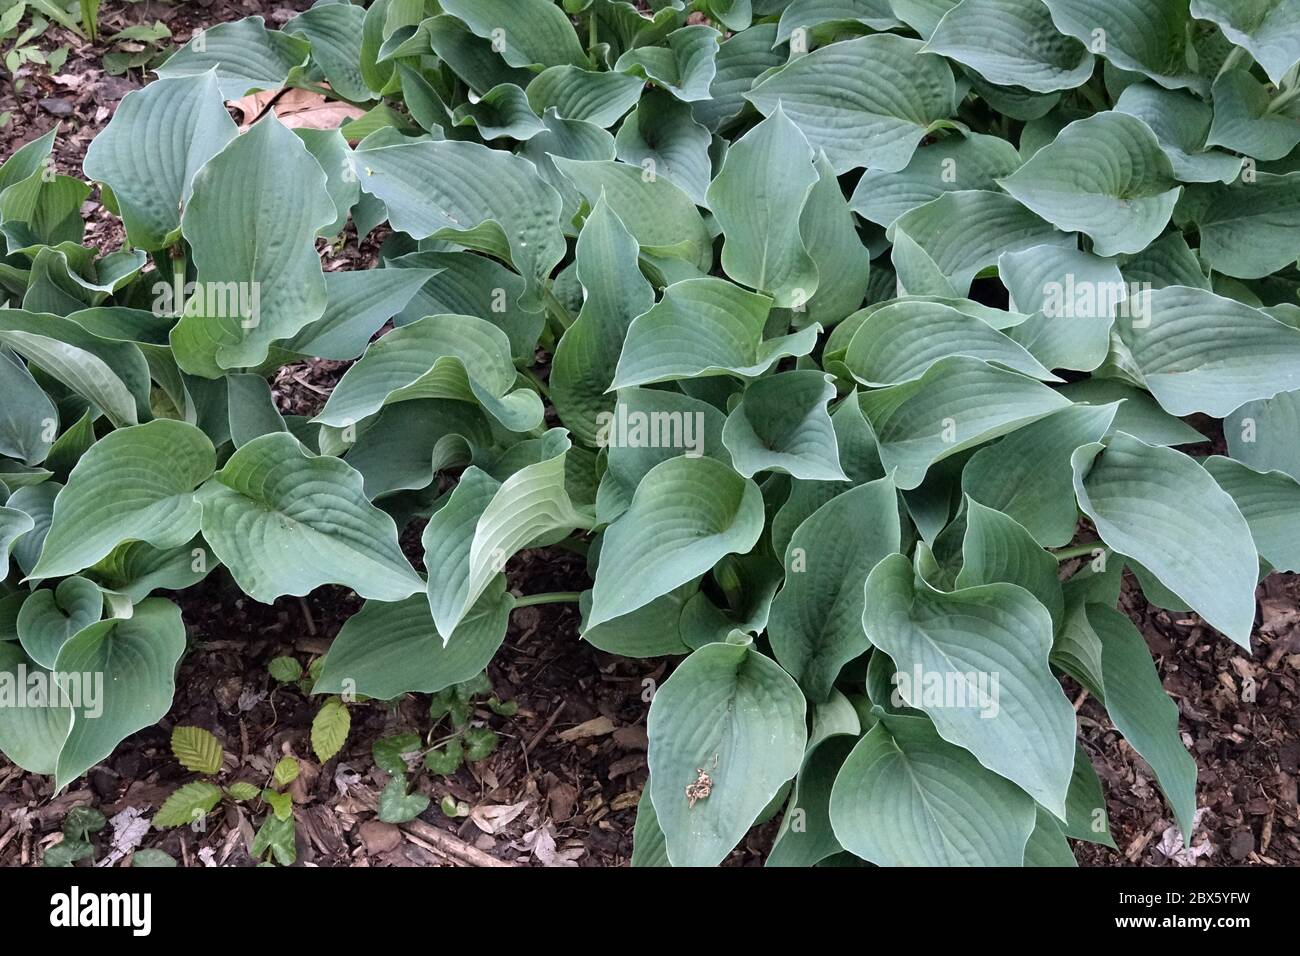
column 862, row 348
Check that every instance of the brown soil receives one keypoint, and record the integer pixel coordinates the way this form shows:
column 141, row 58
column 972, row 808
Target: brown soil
column 562, row 787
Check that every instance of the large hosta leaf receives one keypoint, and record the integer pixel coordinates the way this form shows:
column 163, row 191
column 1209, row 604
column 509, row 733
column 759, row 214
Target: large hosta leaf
column 1249, row 230
column 970, row 162
column 958, row 403
column 1143, row 712
column 149, row 153
column 1027, row 475
column 733, row 714
column 1181, row 123
column 456, row 357
column 866, row 102
column 466, row 548
column 616, row 293
column 285, row 522
column 1201, row 352
column 390, row 649
column 781, row 424
column 1142, row 36
column 757, row 199
column 488, row 199
column 1105, row 176
column 1164, row 510
column 51, row 616
column 686, row 515
column 252, row 224
column 26, row 414
column 907, row 797
column 335, row 32
column 134, row 484
column 13, row 525
column 136, row 659
column 1246, row 120
column 899, row 342
column 1012, row 43
column 524, row 32
column 357, row 304
column 997, row 548
column 986, row 648
column 245, row 55
column 1268, row 29
column 741, row 59
column 601, row 98
column 704, row 327
column 663, row 137
column 816, row 619
column 1270, row 503
column 684, row 65
column 1264, row 434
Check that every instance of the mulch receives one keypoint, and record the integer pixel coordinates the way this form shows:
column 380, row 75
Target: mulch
column 561, row 788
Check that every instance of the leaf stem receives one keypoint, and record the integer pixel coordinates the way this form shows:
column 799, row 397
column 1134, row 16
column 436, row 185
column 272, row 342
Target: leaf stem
column 1079, row 550
column 552, row 597
column 536, row 381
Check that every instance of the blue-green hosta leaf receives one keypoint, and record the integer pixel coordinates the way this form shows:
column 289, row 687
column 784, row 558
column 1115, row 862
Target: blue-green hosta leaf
column 986, row 648
column 134, row 484
column 252, row 408
column 30, row 736
column 899, row 342
column 1105, row 176
column 1012, row 43
column 781, row 424
column 158, row 139
column 532, row 502
column 137, row 658
column 51, row 616
column 1270, row 503
column 1264, row 435
column 245, row 54
column 970, row 162
column 834, row 17
column 601, row 98
column 137, row 569
column 907, row 797
column 661, row 216
column 26, row 415
column 252, row 224
column 464, row 283
column 735, row 15
column 704, row 327
column 285, row 522
column 1139, row 414
column 653, row 630
column 831, row 237
column 567, row 139
column 1143, row 712
column 406, row 444
column 1149, row 37
column 1167, row 261
column 357, row 304
column 615, row 293
column 441, row 356
column 958, row 403
column 649, row 426
column 390, row 649
column 648, row 849
column 113, row 376
column 501, row 111
column 741, row 59
column 1201, row 352
column 816, row 619
column 962, row 233
column 1027, row 475
column 1073, row 297
column 1085, row 807
column 1162, row 509
column 1268, row 29
column 331, row 151
column 1249, row 230
column 13, row 525
column 684, row 65
column 1181, row 123
column 335, row 32
column 733, row 714
column 1246, row 121
column 470, row 57
column 922, row 15
column 757, row 198
column 1047, row 846
column 37, row 502
column 998, row 548
column 524, row 32
column 686, row 515
column 662, row 136
column 486, row 199
column 865, row 102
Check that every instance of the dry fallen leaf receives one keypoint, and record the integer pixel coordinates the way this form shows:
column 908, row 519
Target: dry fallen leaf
column 596, row 727
column 295, row 108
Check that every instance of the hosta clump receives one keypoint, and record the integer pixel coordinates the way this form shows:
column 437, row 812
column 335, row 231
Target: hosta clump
column 855, row 347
